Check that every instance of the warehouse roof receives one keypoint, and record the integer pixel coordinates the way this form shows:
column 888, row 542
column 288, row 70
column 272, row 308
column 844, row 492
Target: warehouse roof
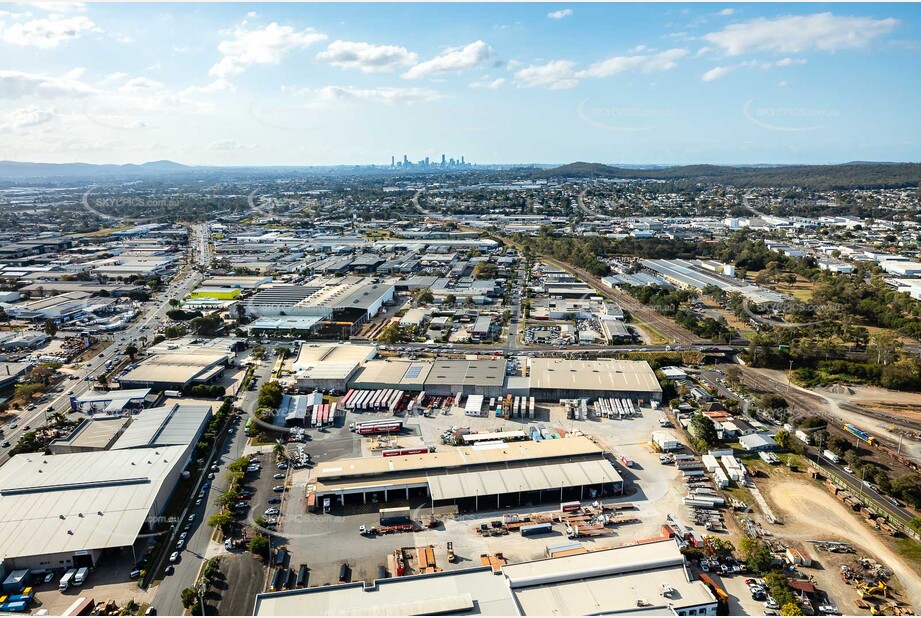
column 331, row 361
column 95, row 434
column 487, row 372
column 399, row 374
column 618, row 580
column 166, row 426
column 597, row 375
column 531, row 478
column 478, row 590
column 65, row 503
column 454, row 458
column 174, row 368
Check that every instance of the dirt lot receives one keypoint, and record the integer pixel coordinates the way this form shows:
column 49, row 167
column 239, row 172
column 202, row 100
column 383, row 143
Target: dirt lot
column 811, row 513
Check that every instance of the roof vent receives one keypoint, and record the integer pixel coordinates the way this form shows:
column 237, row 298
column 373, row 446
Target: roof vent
column 61, row 516
column 70, row 532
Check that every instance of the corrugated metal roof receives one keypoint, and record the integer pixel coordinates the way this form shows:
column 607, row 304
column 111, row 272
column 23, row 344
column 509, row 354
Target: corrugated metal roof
column 597, row 375
column 532, row 478
column 170, row 425
column 65, row 503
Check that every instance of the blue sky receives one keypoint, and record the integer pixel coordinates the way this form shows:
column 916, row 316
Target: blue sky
column 315, row 84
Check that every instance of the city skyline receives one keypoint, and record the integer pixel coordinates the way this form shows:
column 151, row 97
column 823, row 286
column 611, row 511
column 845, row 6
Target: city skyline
column 286, row 84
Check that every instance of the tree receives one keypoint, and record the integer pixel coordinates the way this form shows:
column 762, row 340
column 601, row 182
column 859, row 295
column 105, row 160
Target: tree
column 222, row 520
column 174, row 302
column 51, row 328
column 704, row 430
column 270, row 395
column 131, row 350
column 259, row 546
column 791, row 609
column 392, row 333
column 189, row 597
column 756, row 554
column 885, row 347
column 450, row 299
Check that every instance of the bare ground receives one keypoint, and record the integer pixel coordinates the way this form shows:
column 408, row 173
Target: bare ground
column 811, row 513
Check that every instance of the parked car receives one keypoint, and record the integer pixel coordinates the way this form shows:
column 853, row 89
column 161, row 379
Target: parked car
column 279, row 476
column 274, row 500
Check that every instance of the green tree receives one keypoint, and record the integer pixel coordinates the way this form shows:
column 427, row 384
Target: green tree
column 270, row 395
column 51, row 328
column 259, row 546
column 791, row 609
column 222, row 520
column 704, row 430
column 131, row 350
column 756, row 554
column 189, row 597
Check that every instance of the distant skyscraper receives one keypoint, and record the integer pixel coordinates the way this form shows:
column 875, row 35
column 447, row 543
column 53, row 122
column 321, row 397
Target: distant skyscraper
column 405, row 160
column 393, row 161
column 462, row 160
column 442, row 160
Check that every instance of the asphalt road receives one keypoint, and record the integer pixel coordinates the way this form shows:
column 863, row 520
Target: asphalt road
column 152, row 313
column 166, row 599
column 860, row 490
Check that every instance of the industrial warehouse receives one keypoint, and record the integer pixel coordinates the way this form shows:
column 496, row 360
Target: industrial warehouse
column 651, row 578
column 106, row 485
column 492, row 475
column 342, row 367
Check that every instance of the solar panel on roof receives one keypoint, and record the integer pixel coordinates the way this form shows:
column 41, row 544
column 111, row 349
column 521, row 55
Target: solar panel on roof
column 413, row 372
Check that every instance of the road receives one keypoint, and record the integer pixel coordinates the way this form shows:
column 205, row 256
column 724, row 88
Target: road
column 154, row 311
column 167, row 597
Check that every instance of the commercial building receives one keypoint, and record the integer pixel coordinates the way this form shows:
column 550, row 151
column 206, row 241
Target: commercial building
column 11, row 372
column 554, row 379
column 484, row 476
column 390, row 374
column 65, row 511
column 172, row 425
column 469, row 377
column 114, row 402
column 330, row 365
column 693, row 274
column 649, row 578
column 176, row 371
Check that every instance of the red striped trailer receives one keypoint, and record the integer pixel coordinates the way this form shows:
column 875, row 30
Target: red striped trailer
column 347, row 396
column 393, row 427
column 396, row 452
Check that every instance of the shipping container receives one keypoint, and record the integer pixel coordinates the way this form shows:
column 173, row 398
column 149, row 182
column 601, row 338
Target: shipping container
column 536, row 529
column 568, row 507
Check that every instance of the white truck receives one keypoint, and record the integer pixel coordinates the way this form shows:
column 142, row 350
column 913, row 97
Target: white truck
column 827, row 454
column 67, row 579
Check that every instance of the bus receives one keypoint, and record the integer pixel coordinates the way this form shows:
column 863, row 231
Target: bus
column 248, row 430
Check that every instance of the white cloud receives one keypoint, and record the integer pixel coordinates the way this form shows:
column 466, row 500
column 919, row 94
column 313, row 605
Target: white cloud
column 59, row 7
column 29, row 116
column 717, row 73
column 726, row 12
column 267, row 45
column 230, row 144
column 646, row 63
column 560, row 14
column 218, row 85
column 555, row 75
column 782, row 84
column 48, row 32
column 18, row 84
column 140, row 84
column 385, row 95
column 453, row 59
column 366, row 57
column 123, row 38
column 800, row 33
column 789, row 62
column 489, row 84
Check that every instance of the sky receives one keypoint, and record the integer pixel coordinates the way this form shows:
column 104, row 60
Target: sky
column 330, row 84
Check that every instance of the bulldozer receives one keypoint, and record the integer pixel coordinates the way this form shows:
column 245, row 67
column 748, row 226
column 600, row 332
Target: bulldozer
column 871, row 590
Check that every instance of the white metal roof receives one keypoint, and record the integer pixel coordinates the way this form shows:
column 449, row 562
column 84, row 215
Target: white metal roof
column 63, row 503
column 166, row 426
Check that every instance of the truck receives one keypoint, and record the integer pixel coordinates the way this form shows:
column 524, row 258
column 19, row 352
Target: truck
column 67, row 579
column 80, row 576
column 827, row 454
column 535, row 529
column 803, row 437
column 172, row 394
column 628, row 463
column 395, row 516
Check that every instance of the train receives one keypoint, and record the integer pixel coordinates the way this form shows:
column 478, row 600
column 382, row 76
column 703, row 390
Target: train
column 860, row 434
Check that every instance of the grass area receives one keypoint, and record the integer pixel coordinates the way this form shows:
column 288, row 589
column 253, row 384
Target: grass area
column 655, row 336
column 910, row 550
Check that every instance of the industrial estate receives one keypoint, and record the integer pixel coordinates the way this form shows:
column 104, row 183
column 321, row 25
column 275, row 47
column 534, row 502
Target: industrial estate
column 427, row 385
